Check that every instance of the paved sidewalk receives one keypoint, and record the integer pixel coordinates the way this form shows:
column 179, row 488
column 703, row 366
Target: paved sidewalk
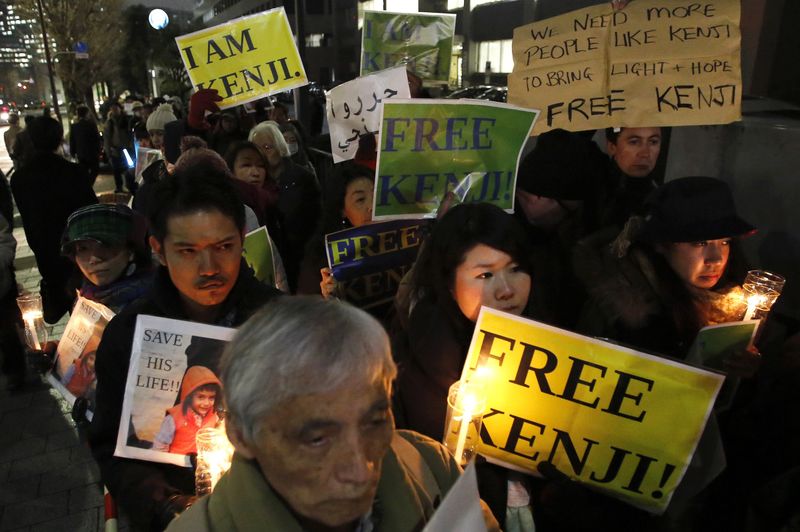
column 48, row 480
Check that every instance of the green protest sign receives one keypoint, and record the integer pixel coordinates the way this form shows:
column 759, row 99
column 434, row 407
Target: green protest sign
column 431, row 147
column 423, row 41
column 257, row 252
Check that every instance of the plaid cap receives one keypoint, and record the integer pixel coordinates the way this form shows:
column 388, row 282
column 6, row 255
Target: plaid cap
column 105, row 223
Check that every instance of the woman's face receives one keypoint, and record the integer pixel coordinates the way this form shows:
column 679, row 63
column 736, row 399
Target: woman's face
column 249, row 167
column 101, row 264
column 358, row 202
column 698, row 264
column 266, row 144
column 291, row 142
column 491, row 278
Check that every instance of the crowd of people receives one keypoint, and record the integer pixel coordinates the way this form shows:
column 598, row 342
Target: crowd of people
column 314, row 388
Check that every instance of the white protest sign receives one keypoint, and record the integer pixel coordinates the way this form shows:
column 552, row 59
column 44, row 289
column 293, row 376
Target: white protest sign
column 73, row 373
column 172, row 389
column 354, row 108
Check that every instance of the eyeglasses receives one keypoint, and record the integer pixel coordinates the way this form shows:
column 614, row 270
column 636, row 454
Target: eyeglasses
column 268, row 147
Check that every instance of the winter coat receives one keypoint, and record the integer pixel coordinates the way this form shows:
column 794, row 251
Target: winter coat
column 84, row 141
column 47, row 190
column 416, row 473
column 140, row 486
column 629, row 302
column 183, row 441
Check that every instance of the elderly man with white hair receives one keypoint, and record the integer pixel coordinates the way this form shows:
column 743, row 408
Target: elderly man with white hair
column 307, row 386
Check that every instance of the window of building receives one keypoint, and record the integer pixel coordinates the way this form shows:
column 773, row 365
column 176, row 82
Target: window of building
column 498, row 52
column 459, row 4
column 316, row 40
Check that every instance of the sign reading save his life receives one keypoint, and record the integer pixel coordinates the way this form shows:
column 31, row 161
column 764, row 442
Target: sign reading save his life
column 654, row 63
column 244, row 59
column 619, row 421
column 431, row 147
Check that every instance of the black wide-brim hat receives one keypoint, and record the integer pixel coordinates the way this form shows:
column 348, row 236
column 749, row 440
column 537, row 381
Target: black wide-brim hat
column 692, row 209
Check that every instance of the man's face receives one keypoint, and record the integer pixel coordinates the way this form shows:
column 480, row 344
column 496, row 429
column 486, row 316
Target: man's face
column 203, row 401
column 636, row 150
column 322, row 453
column 202, row 251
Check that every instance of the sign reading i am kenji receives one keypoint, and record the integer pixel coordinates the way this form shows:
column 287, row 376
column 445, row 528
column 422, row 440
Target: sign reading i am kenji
column 244, row 59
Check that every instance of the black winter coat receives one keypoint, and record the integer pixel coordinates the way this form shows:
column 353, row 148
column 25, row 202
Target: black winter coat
column 141, row 486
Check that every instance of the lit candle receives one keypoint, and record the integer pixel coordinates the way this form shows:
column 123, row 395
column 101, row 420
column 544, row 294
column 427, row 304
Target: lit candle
column 468, row 404
column 752, row 304
column 30, row 318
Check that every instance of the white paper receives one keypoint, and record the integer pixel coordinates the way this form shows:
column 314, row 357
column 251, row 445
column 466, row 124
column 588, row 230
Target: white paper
column 73, row 372
column 461, row 508
column 354, row 108
column 163, row 351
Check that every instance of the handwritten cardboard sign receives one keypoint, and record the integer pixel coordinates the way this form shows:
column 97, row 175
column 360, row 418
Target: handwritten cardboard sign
column 354, row 108
column 421, row 41
column 654, row 63
column 622, row 422
column 244, row 59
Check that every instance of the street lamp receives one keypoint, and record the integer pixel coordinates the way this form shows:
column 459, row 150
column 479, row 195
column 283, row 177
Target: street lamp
column 158, row 19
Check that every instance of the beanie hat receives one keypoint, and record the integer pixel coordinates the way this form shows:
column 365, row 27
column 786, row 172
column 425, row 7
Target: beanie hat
column 160, row 117
column 692, row 209
column 109, row 224
column 562, row 166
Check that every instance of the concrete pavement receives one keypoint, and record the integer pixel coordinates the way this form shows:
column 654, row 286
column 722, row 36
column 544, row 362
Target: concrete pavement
column 48, row 480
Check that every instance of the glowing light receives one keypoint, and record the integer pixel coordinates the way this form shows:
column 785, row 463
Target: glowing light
column 158, row 19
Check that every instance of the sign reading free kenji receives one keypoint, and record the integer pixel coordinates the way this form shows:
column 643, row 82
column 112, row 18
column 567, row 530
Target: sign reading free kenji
column 244, row 59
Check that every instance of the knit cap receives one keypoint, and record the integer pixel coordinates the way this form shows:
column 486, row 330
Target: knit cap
column 160, row 117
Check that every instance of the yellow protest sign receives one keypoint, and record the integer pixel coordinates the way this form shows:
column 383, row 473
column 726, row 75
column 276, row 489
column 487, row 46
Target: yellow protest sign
column 244, row 59
column 619, row 421
column 654, row 63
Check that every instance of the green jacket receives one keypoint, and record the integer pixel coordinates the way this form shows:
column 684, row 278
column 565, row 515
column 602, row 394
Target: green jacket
column 416, row 474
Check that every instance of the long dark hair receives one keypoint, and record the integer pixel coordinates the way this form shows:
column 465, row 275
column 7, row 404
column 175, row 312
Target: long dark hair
column 461, row 229
column 687, row 312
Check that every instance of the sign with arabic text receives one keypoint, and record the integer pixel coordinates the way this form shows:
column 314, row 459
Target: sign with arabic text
column 244, row 59
column 430, row 147
column 421, row 41
column 354, row 108
column 653, row 63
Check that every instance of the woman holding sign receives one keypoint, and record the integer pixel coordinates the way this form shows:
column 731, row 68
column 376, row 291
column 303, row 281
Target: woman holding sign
column 477, row 255
column 670, row 273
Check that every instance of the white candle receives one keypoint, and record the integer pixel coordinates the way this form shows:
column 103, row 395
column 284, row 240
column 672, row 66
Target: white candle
column 752, row 302
column 30, row 324
column 468, row 404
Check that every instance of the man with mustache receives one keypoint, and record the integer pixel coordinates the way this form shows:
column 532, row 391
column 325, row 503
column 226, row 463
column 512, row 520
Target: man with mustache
column 196, row 222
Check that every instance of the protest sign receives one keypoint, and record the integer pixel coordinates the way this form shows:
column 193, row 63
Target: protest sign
column 369, row 261
column 73, row 373
column 354, row 108
column 714, row 342
column 654, row 63
column 244, row 59
column 622, row 422
column 430, row 147
column 422, row 41
column 461, row 508
column 258, row 253
column 144, row 158
column 172, row 390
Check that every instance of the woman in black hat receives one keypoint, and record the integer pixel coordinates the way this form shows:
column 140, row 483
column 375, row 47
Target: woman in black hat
column 669, row 273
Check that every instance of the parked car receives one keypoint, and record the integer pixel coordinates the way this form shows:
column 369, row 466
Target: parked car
column 495, row 94
column 469, row 92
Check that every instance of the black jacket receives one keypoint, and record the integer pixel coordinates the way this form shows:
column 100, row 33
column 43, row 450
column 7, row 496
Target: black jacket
column 141, row 486
column 84, row 141
column 47, row 189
